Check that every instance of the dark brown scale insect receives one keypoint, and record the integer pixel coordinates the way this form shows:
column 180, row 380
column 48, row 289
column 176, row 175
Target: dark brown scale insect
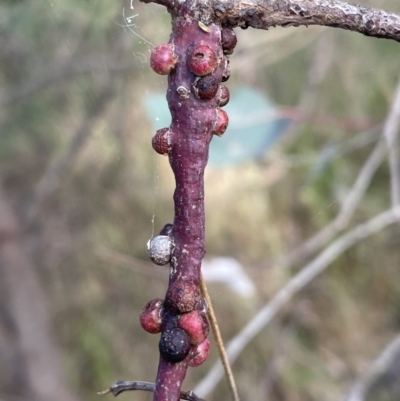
column 206, row 87
column 174, row 345
column 228, row 40
column 166, row 230
column 160, row 141
column 223, row 96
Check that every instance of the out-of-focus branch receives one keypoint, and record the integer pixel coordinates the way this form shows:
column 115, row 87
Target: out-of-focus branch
column 321, row 63
column 390, row 131
column 55, row 74
column 296, row 284
column 378, row 367
column 391, row 127
column 343, row 217
column 26, row 300
column 50, row 181
column 319, row 67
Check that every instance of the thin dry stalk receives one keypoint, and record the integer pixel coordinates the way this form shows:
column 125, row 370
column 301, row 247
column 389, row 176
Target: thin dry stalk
column 220, row 343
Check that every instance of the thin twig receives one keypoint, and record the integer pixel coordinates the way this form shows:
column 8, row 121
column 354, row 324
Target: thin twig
column 390, row 129
column 296, row 284
column 390, row 132
column 377, row 368
column 220, row 343
column 121, row 386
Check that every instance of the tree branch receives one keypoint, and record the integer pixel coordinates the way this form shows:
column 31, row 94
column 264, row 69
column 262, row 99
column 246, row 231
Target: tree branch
column 195, row 60
column 121, row 386
column 390, row 131
column 27, row 302
column 263, row 14
column 195, row 64
column 296, row 284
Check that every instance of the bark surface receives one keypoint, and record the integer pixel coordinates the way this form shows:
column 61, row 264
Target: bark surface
column 264, row 14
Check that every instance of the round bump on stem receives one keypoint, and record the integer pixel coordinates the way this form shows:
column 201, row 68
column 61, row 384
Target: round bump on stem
column 161, row 141
column 150, row 316
column 162, row 59
column 174, row 345
column 202, row 60
column 206, row 88
column 222, row 122
column 223, row 96
column 228, row 40
column 160, row 249
column 196, row 325
column 200, row 354
column 183, row 297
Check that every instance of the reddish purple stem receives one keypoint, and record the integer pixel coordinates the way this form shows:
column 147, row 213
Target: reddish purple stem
column 170, row 377
column 193, row 122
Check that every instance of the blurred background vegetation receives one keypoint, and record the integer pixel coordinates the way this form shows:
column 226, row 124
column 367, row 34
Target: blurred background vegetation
column 81, row 187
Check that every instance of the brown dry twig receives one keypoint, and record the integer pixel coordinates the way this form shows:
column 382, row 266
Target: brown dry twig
column 220, row 343
column 121, row 386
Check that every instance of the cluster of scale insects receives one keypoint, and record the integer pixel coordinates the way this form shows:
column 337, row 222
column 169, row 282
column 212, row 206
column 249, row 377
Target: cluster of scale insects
column 201, row 62
column 183, row 332
column 186, row 332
